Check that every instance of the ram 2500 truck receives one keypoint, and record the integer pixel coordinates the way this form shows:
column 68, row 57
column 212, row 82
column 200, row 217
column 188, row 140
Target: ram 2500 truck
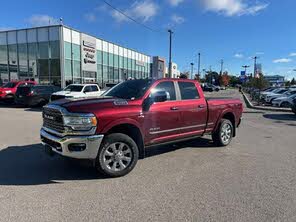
column 115, row 130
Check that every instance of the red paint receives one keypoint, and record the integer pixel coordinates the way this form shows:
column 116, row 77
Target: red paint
column 161, row 123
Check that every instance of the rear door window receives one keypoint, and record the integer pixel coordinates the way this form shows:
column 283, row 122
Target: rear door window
column 87, row 89
column 188, row 91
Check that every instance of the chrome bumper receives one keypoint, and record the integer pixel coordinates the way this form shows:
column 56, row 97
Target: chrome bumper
column 60, row 145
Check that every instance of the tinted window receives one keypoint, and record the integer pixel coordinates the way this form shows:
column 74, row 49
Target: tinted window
column 10, row 85
column 87, row 89
column 188, row 90
column 42, row 89
column 168, row 87
column 73, row 88
column 94, row 88
column 130, row 89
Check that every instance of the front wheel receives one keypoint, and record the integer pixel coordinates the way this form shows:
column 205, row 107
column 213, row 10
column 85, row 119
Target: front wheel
column 118, row 155
column 286, row 105
column 224, row 133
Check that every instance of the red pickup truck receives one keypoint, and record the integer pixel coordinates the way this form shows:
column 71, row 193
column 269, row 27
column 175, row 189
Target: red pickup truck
column 7, row 92
column 115, row 130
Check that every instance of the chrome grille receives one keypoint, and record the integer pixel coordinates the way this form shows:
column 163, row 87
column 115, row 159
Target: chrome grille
column 53, row 119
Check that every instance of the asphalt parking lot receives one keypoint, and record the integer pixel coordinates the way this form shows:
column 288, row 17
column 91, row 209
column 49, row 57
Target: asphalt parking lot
column 253, row 179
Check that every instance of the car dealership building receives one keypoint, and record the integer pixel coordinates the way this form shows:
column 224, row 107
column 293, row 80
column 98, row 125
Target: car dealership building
column 60, row 55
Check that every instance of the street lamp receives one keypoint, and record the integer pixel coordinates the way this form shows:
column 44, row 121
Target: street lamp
column 192, row 64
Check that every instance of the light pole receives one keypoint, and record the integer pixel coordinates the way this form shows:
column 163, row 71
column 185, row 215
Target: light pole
column 222, row 63
column 198, row 68
column 170, row 54
column 192, row 64
column 255, row 65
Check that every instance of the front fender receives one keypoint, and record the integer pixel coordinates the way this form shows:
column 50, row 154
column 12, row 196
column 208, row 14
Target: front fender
column 120, row 122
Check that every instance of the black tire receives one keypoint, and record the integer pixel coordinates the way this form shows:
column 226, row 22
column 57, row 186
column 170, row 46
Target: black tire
column 127, row 155
column 286, row 105
column 220, row 137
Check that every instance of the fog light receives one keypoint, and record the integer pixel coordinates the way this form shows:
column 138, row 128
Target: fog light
column 76, row 147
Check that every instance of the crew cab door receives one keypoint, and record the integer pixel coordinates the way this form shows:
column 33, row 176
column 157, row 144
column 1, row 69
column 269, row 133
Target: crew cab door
column 162, row 120
column 193, row 109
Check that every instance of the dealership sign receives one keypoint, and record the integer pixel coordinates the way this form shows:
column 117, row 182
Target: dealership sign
column 88, row 53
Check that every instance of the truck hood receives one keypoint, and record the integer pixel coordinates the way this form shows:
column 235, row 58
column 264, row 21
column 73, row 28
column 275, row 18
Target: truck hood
column 90, row 104
column 5, row 89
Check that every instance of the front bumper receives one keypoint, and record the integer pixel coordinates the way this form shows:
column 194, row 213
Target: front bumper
column 60, row 145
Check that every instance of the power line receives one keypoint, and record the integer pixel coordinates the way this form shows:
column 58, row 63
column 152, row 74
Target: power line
column 129, row 17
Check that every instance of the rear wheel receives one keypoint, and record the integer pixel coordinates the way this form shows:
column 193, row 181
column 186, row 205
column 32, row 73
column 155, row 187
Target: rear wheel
column 118, row 155
column 286, row 105
column 224, row 133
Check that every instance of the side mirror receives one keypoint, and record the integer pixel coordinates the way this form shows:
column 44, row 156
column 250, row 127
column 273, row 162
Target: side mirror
column 160, row 96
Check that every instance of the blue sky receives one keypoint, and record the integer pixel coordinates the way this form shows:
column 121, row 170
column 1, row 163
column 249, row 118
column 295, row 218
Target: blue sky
column 233, row 30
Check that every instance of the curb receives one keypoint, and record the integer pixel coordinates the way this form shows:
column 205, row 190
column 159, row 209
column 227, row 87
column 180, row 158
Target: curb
column 251, row 106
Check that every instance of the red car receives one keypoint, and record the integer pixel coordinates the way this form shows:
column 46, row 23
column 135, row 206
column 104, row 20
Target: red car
column 7, row 92
column 115, row 130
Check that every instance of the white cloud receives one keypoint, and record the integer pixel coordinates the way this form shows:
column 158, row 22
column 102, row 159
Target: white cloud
column 90, row 17
column 176, row 19
column 239, row 55
column 282, row 60
column 292, row 54
column 42, row 20
column 233, row 7
column 175, row 2
column 141, row 10
column 5, row 28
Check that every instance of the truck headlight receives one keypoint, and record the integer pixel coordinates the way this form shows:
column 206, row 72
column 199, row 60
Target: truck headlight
column 8, row 91
column 82, row 123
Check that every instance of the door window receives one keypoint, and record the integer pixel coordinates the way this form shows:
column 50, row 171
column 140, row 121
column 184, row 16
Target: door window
column 188, row 91
column 94, row 88
column 87, row 89
column 169, row 87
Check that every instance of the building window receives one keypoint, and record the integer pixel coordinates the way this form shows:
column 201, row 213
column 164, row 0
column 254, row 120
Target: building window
column 43, row 71
column 55, row 72
column 76, row 69
column 23, row 60
column 54, row 49
column 67, row 50
column 43, row 50
column 68, row 69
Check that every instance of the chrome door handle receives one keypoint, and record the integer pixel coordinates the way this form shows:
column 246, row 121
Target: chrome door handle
column 174, row 108
column 201, row 106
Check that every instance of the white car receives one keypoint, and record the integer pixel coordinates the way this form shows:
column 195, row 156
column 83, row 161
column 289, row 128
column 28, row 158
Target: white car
column 286, row 101
column 77, row 91
column 271, row 96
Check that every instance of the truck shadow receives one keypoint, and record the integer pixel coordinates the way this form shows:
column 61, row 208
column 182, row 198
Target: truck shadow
column 29, row 165
column 281, row 117
column 196, row 143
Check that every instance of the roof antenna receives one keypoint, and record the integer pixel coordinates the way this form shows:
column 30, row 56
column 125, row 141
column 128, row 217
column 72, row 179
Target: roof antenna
column 61, row 21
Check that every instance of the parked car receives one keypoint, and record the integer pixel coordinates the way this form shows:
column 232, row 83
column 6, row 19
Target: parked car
column 283, row 93
column 37, row 95
column 207, row 87
column 7, row 92
column 77, row 91
column 294, row 106
column 114, row 130
column 285, row 101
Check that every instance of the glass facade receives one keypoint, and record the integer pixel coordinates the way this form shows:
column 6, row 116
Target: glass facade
column 40, row 54
column 31, row 54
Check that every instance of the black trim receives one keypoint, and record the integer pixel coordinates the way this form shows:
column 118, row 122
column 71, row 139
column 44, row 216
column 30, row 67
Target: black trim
column 173, row 141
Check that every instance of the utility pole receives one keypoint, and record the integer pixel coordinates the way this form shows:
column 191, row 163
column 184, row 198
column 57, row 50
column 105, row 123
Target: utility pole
column 245, row 67
column 222, row 63
column 170, row 54
column 192, row 64
column 198, row 68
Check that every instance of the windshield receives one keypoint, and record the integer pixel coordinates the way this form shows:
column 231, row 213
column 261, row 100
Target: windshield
column 131, row 89
column 10, row 85
column 73, row 88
